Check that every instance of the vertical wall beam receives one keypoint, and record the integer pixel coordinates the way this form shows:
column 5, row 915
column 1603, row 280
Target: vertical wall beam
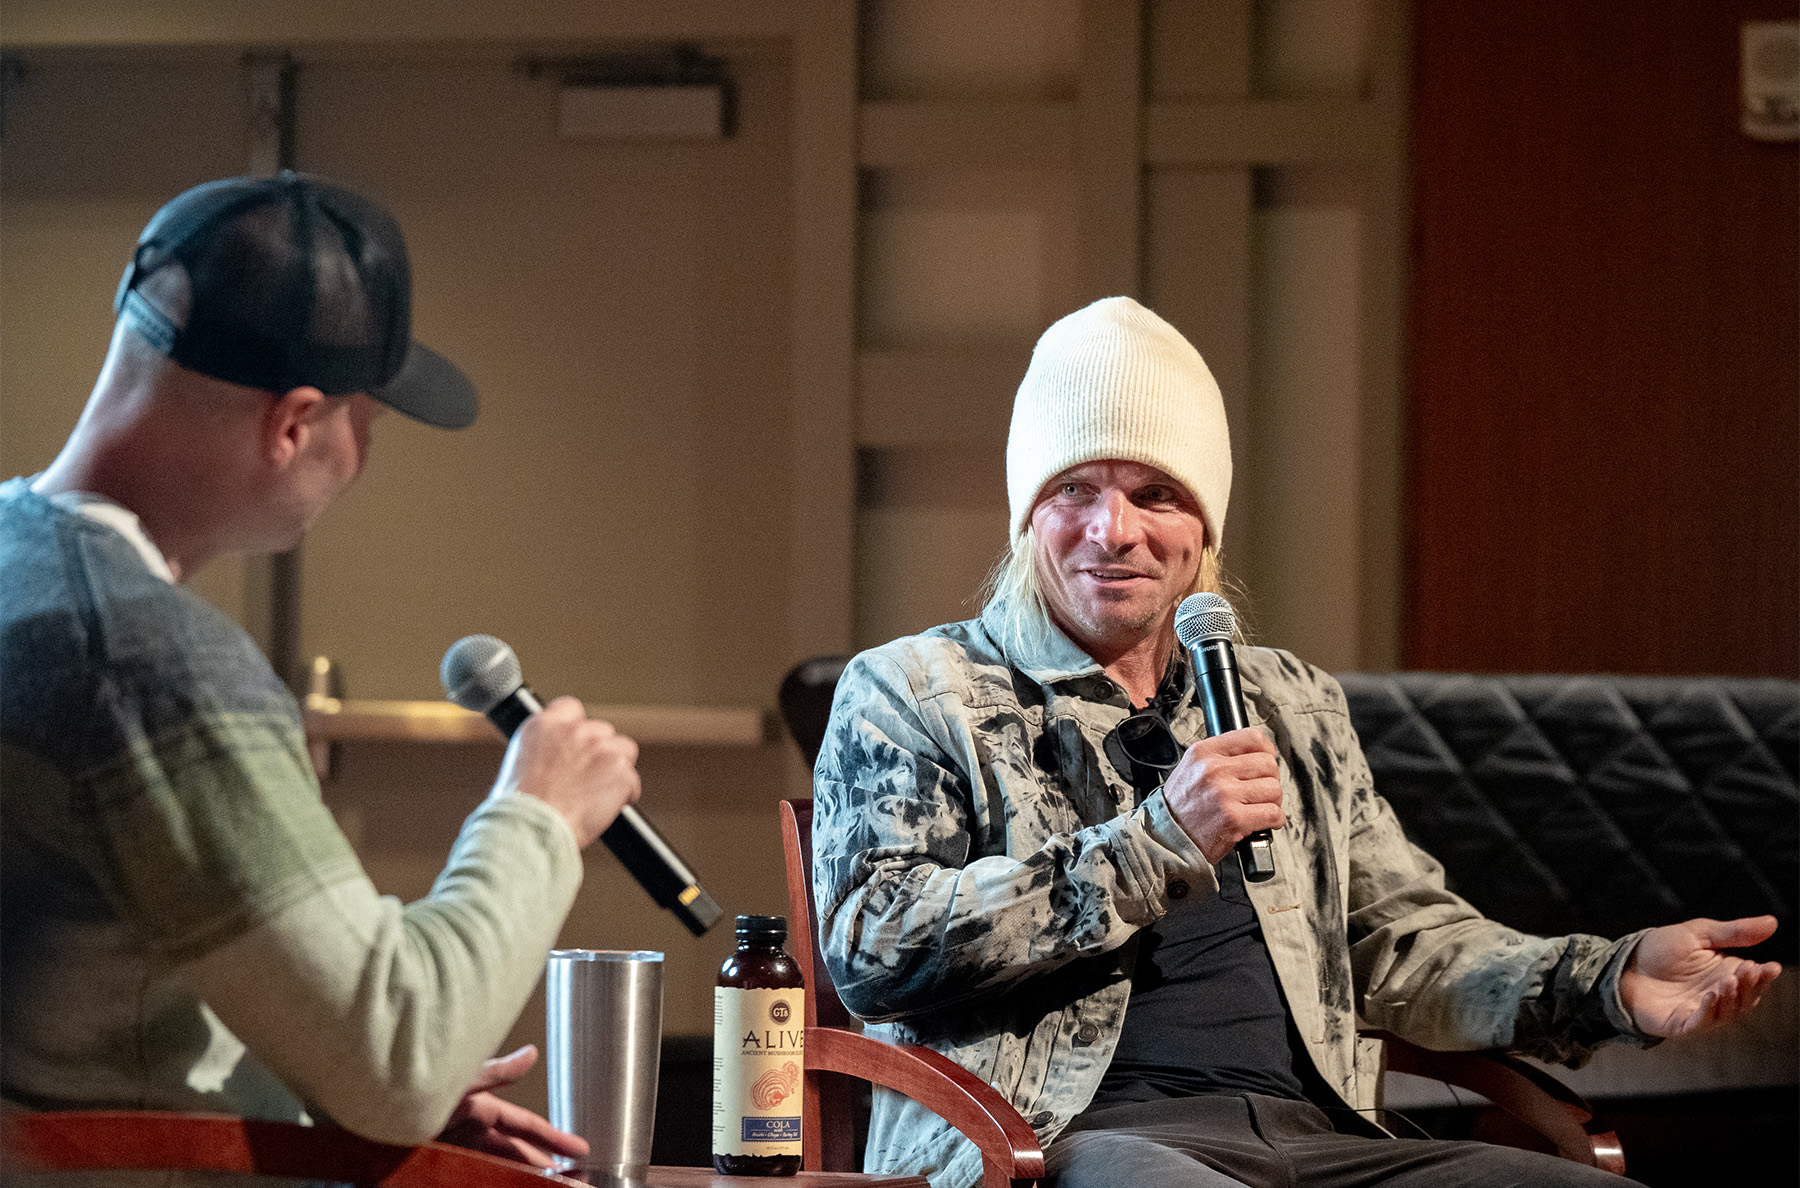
column 1197, row 228
column 824, row 337
column 272, row 584
column 1197, row 275
column 273, row 79
column 1386, row 267
column 1109, row 149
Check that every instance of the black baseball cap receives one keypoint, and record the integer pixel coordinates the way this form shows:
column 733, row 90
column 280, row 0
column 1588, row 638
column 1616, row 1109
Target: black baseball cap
column 290, row 281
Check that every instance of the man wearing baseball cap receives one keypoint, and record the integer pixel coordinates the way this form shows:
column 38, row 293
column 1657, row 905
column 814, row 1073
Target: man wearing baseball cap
column 184, row 926
column 1023, row 849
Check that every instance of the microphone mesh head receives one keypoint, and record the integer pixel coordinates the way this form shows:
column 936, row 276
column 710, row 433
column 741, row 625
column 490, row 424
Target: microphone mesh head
column 479, row 672
column 1201, row 617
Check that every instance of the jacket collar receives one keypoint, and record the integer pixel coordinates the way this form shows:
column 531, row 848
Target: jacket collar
column 1042, row 652
column 1038, row 649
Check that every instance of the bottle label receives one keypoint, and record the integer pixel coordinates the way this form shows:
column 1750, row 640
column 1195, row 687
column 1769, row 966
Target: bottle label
column 759, row 1039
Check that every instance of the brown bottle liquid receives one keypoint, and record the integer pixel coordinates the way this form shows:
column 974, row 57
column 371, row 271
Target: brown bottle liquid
column 759, row 1033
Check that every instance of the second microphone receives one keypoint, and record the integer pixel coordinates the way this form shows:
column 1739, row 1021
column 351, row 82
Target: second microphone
column 482, row 673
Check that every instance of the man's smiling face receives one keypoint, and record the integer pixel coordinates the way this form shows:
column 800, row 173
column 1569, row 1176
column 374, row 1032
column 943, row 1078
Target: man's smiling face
column 1118, row 544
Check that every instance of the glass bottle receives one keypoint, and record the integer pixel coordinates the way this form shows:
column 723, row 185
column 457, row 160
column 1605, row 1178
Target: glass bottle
column 759, row 1037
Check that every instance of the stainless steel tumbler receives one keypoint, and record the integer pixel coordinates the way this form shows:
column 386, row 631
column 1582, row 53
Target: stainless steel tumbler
column 605, row 1037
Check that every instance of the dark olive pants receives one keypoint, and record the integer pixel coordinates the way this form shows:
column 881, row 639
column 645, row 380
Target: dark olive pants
column 1251, row 1141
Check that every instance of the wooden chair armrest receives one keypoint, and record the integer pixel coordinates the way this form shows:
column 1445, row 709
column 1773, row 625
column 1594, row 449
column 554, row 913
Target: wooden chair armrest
column 1010, row 1154
column 119, row 1140
column 1532, row 1096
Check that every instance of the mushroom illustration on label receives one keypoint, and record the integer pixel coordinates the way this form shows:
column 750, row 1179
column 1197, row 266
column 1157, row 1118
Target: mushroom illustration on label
column 775, row 1086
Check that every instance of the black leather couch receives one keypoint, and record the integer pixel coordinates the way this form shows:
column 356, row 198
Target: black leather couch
column 1607, row 804
column 1565, row 803
column 1596, row 804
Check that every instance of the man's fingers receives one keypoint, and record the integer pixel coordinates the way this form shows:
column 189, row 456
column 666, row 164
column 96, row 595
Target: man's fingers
column 509, row 1146
column 1263, row 791
column 1697, row 1017
column 1736, row 934
column 1221, row 770
column 1754, row 982
column 1253, row 766
column 523, row 1124
column 1749, row 989
column 504, row 1070
column 564, row 709
column 1243, row 741
column 1253, row 818
column 1258, row 824
column 1258, row 805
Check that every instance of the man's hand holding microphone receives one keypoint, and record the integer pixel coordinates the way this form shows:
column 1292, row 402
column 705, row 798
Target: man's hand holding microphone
column 1226, row 791
column 587, row 771
column 579, row 766
column 1226, row 788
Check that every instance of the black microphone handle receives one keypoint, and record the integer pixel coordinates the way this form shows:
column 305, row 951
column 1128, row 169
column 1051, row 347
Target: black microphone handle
column 656, row 866
column 1222, row 701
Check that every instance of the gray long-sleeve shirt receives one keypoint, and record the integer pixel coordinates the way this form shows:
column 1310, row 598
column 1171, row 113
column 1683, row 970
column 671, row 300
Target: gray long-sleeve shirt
column 182, row 924
column 982, row 868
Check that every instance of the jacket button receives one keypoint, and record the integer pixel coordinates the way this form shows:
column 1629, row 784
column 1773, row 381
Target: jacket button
column 1042, row 1119
column 1178, row 890
column 1086, row 1034
column 1104, row 689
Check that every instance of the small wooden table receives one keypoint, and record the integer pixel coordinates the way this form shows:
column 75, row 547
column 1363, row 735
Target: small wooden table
column 136, row 1140
column 706, row 1177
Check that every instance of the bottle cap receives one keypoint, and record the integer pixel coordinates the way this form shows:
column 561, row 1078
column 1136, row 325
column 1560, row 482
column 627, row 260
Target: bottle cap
column 766, row 929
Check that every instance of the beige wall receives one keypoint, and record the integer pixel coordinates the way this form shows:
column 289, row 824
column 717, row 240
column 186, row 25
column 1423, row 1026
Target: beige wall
column 78, row 180
column 1271, row 240
column 616, row 511
column 621, row 509
column 687, row 351
column 624, row 311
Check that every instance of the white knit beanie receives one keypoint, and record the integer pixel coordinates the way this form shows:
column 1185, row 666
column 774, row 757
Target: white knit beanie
column 1113, row 380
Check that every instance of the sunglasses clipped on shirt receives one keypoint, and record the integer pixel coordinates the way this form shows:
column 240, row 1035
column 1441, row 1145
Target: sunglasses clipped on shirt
column 1149, row 743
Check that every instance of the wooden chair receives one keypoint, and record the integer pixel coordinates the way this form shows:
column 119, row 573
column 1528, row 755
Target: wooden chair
column 141, row 1140
column 836, row 1053
column 1009, row 1148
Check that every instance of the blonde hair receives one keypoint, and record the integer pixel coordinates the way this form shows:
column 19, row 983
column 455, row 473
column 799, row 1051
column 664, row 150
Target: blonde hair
column 1014, row 588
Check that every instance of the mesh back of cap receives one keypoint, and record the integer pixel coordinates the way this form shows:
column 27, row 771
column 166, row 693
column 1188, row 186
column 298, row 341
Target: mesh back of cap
column 295, row 283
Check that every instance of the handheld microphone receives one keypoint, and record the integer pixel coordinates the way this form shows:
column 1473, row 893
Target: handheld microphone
column 1205, row 624
column 481, row 673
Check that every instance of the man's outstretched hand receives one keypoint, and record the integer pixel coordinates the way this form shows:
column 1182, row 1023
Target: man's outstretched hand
column 487, row 1123
column 1678, row 981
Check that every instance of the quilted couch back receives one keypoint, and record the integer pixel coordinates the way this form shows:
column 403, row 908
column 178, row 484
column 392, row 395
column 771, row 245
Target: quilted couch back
column 1596, row 804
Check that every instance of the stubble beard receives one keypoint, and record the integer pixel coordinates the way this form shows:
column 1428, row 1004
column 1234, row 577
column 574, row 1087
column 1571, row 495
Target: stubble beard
column 1100, row 626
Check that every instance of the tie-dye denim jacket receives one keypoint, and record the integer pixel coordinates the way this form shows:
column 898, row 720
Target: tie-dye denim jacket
column 982, row 867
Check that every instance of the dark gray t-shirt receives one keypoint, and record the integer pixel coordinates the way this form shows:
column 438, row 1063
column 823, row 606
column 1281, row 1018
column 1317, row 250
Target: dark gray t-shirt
column 1205, row 1014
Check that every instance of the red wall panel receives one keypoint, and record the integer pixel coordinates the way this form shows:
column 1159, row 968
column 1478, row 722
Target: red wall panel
column 1605, row 346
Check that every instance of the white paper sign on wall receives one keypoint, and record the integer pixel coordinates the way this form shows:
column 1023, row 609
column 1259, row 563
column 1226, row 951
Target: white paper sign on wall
column 1770, row 68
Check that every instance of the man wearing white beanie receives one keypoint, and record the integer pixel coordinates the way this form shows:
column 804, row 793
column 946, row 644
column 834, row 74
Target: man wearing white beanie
column 1021, row 829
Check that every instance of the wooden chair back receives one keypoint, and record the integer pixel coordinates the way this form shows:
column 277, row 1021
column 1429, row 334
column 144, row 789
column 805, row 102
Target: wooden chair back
column 828, row 1124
